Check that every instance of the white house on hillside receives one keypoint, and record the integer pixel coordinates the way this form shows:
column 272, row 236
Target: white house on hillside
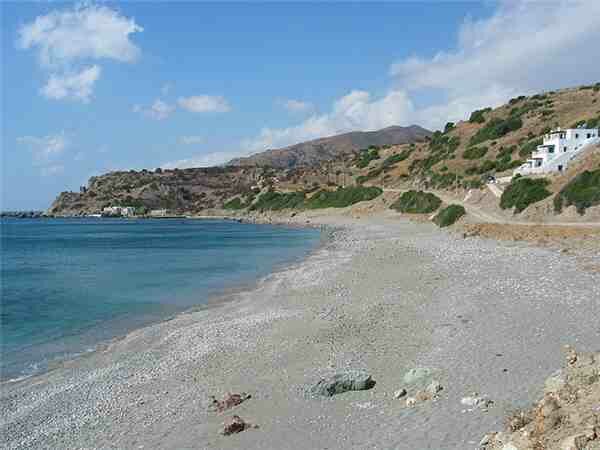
column 559, row 147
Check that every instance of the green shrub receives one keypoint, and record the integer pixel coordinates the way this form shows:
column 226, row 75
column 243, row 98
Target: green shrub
column 496, row 128
column 449, row 215
column 416, row 202
column 366, row 156
column 522, row 192
column 395, row 159
column 234, row 203
column 583, row 191
column 477, row 116
column 475, row 152
column 449, row 126
column 276, row 201
column 342, row 197
column 529, row 147
column 443, row 180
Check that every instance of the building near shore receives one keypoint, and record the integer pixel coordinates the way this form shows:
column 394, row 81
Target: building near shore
column 158, row 213
column 558, row 149
column 123, row 211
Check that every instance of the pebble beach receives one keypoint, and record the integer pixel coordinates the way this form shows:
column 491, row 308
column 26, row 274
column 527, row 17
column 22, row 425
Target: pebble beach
column 383, row 296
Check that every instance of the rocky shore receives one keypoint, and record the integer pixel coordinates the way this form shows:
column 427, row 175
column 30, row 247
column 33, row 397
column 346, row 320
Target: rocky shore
column 393, row 335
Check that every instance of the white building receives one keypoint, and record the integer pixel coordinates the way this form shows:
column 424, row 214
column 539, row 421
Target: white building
column 158, row 213
column 125, row 211
column 558, row 149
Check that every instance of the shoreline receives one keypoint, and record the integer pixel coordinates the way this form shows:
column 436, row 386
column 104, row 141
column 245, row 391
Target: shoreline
column 383, row 294
column 225, row 294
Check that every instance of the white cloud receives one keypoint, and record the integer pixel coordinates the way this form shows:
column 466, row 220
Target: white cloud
column 297, row 106
column 159, row 110
column 191, row 140
column 77, row 86
column 206, row 160
column 67, row 39
column 204, row 103
column 355, row 111
column 46, row 148
column 524, row 47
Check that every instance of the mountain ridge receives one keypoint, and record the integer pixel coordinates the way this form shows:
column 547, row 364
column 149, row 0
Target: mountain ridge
column 316, row 151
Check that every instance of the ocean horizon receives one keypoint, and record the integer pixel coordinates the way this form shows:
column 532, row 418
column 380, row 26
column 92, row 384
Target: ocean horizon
column 69, row 285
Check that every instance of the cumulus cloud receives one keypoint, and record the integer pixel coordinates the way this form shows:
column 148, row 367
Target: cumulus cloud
column 297, row 106
column 66, row 39
column 204, row 103
column 46, row 148
column 77, row 86
column 524, row 47
column 159, row 110
column 206, row 160
column 191, row 140
column 357, row 110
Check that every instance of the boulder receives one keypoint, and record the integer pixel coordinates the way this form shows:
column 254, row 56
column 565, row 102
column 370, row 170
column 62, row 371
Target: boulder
column 400, row 393
column 235, row 424
column 434, row 387
column 351, row 380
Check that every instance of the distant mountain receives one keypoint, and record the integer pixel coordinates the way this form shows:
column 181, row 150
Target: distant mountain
column 312, row 153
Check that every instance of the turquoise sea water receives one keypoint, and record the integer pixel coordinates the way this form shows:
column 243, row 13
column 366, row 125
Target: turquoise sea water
column 68, row 284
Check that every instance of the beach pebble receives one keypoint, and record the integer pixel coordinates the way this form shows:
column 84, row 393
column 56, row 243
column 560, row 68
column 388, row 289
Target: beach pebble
column 235, row 424
column 476, row 401
column 434, row 387
column 351, row 380
column 400, row 393
column 411, row 401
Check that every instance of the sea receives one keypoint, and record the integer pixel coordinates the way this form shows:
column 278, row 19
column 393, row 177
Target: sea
column 68, row 285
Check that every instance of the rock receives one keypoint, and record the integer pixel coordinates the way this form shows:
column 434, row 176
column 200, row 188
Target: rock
column 352, row 380
column 236, row 424
column 416, row 374
column 575, row 442
column 411, row 401
column 434, row 387
column 400, row 393
column 509, row 446
column 486, row 439
column 228, row 402
column 475, row 401
column 555, row 382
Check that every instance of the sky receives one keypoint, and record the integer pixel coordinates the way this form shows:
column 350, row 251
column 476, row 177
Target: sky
column 98, row 86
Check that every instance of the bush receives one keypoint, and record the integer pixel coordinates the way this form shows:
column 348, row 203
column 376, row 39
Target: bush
column 235, row 203
column 366, row 156
column 477, row 115
column 529, row 147
column 449, row 215
column 275, row 201
column 496, row 128
column 475, row 152
column 522, row 192
column 342, row 197
column 583, row 191
column 449, row 126
column 395, row 159
column 416, row 202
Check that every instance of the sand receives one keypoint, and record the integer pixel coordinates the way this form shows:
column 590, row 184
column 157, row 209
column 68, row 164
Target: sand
column 385, row 295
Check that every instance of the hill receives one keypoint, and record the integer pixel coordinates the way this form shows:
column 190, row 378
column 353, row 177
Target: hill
column 330, row 148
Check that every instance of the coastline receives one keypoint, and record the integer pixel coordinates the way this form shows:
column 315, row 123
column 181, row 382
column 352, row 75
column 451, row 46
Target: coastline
column 383, row 294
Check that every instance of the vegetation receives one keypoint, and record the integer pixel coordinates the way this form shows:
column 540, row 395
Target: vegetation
column 235, row 203
column 441, row 147
column 477, row 116
column 475, row 152
column 528, row 147
column 583, row 191
column 366, row 156
column 522, row 192
column 276, row 201
column 449, row 126
column 398, row 157
column 417, row 202
column 342, row 197
column 496, row 128
column 449, row 215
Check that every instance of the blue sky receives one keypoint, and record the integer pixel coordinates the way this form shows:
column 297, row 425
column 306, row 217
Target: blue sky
column 93, row 87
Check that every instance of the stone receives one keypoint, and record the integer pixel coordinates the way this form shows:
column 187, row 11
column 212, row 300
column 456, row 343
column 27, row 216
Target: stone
column 235, row 424
column 555, row 382
column 229, row 401
column 411, row 401
column 434, row 387
column 575, row 442
column 400, row 393
column 476, row 401
column 509, row 446
column 416, row 374
column 486, row 439
column 351, row 380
